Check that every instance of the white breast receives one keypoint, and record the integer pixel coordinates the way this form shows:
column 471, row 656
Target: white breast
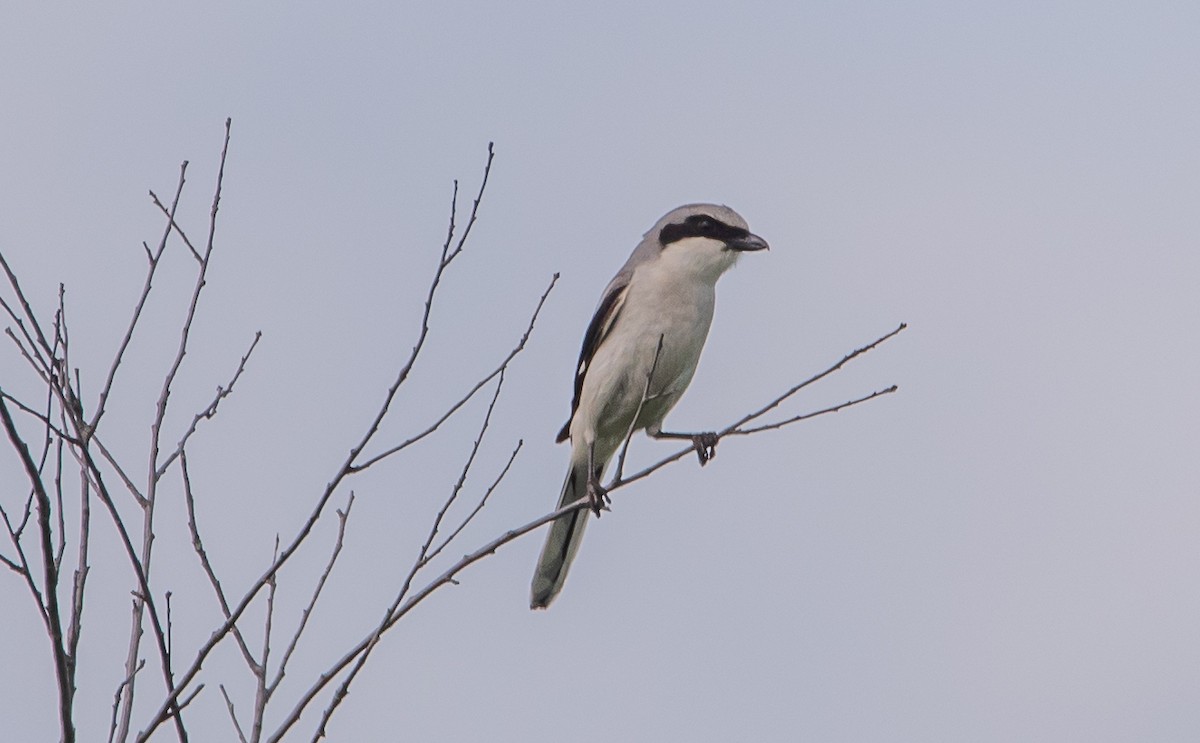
column 671, row 298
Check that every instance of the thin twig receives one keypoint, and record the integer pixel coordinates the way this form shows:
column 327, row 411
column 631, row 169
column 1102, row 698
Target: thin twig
column 43, row 418
column 40, row 345
column 12, row 565
column 261, row 696
column 211, row 409
column 446, row 577
column 422, row 560
column 198, row 547
column 63, row 672
column 237, row 726
column 61, row 343
column 638, row 411
column 92, row 471
column 21, row 564
column 806, row 416
column 183, row 703
column 479, row 506
column 172, row 224
column 27, row 354
column 81, row 568
column 153, row 258
column 343, row 516
column 458, row 485
column 736, row 427
column 487, row 170
column 816, row 377
column 684, row 452
column 112, row 728
column 126, row 480
column 424, row 555
column 470, row 393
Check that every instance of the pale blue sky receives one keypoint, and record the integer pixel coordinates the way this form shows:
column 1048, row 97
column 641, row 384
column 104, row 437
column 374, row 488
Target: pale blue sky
column 1005, row 550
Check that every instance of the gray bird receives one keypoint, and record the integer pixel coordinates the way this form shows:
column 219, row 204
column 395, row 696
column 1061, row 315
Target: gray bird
column 639, row 354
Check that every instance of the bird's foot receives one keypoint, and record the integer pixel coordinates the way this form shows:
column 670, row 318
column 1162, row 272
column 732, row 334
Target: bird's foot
column 706, row 446
column 597, row 496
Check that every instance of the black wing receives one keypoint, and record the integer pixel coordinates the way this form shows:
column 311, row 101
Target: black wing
column 601, row 325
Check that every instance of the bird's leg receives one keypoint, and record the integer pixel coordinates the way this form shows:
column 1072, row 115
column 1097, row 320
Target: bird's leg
column 596, row 494
column 705, row 443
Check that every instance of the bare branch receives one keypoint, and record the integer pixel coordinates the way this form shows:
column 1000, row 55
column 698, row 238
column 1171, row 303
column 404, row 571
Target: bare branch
column 63, row 667
column 237, row 726
column 172, row 224
column 27, row 353
column 211, row 409
column 12, row 565
column 422, row 559
column 479, row 506
column 406, row 369
column 198, row 546
column 92, row 471
column 487, row 169
column 395, row 616
column 153, row 475
column 735, row 432
column 318, row 509
column 186, row 328
column 736, row 427
column 117, row 696
column 458, row 485
column 40, row 345
column 261, row 696
column 183, row 703
column 112, row 461
column 81, row 569
column 153, row 258
column 343, row 516
column 816, row 378
column 60, row 512
column 470, row 393
column 21, row 565
column 806, row 416
column 42, row 418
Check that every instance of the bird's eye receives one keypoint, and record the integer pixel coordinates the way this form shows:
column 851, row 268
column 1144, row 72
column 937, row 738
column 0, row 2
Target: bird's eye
column 704, row 224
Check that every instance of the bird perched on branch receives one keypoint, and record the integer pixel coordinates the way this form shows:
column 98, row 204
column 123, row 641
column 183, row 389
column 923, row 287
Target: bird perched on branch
column 639, row 354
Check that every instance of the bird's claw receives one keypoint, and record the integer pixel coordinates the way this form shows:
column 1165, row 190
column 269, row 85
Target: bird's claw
column 706, row 446
column 597, row 497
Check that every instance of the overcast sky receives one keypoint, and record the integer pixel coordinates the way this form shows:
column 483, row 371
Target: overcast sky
column 1006, row 549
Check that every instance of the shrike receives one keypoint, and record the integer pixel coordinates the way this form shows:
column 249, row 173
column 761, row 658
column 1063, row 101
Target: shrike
column 639, row 354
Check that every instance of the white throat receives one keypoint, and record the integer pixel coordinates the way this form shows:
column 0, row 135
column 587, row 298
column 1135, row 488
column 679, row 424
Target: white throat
column 696, row 259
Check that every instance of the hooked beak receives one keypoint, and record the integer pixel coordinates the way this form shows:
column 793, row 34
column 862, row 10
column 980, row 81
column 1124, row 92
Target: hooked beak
column 748, row 243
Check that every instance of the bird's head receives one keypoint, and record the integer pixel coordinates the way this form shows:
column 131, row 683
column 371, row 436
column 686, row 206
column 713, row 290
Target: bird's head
column 707, row 238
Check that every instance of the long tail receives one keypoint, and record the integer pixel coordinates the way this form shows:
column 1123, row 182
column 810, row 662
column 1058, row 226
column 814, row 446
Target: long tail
column 563, row 541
